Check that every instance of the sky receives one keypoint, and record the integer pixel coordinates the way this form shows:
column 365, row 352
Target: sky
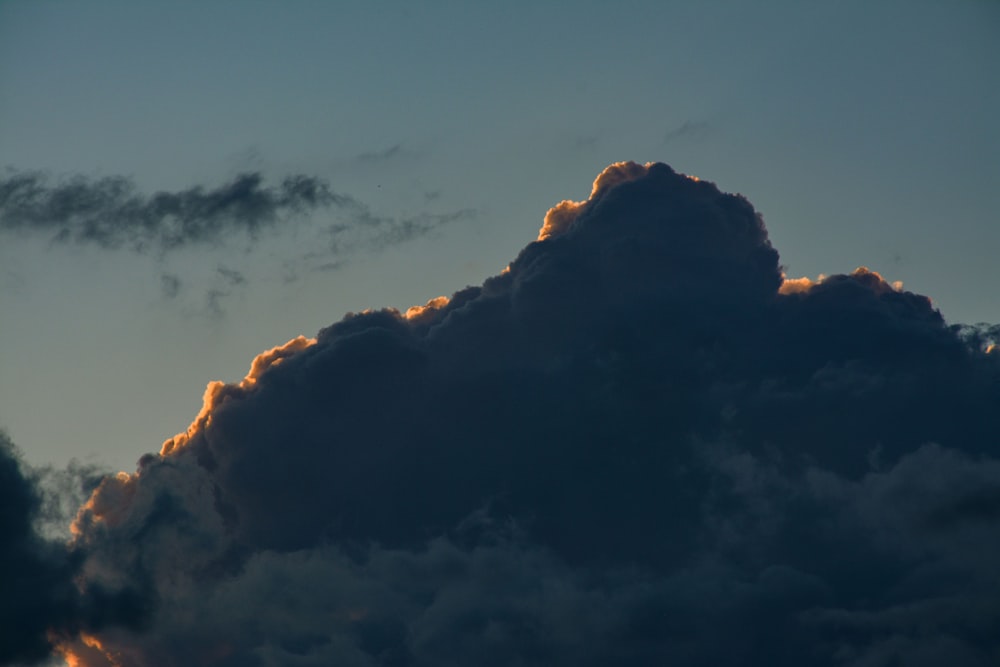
column 187, row 186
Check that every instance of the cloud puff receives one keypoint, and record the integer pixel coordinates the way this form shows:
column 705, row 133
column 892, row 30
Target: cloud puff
column 635, row 446
column 110, row 213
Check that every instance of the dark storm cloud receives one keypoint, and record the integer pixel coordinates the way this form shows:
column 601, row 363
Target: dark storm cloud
column 111, row 213
column 36, row 575
column 39, row 601
column 637, row 445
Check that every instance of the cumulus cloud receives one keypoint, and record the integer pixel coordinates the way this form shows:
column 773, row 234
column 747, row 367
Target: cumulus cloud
column 111, row 213
column 639, row 444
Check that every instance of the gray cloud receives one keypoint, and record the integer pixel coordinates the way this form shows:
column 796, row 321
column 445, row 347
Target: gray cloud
column 232, row 277
column 110, row 213
column 369, row 231
column 394, row 152
column 224, row 283
column 365, row 231
column 170, row 285
column 638, row 445
column 688, row 130
column 227, row 282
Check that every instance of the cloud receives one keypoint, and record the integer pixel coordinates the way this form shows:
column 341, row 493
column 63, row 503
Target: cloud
column 232, row 277
column 170, row 285
column 562, row 215
column 367, row 230
column 635, row 446
column 691, row 130
column 395, row 152
column 40, row 600
column 224, row 282
column 110, row 213
column 36, row 574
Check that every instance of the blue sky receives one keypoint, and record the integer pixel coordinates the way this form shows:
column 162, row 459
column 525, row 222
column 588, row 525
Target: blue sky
column 865, row 135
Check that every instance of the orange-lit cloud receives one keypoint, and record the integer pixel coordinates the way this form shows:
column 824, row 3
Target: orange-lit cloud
column 560, row 216
column 86, row 650
column 218, row 392
column 799, row 285
column 108, row 503
column 420, row 313
column 873, row 278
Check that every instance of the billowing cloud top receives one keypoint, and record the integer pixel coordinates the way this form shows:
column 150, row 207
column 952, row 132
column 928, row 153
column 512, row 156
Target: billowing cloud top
column 638, row 445
column 561, row 216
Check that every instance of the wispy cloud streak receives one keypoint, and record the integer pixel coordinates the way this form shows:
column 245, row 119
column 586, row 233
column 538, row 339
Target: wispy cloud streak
column 366, row 229
column 111, row 213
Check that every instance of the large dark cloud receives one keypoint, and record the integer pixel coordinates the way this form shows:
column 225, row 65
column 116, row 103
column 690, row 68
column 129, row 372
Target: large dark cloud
column 40, row 602
column 637, row 445
column 36, row 576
